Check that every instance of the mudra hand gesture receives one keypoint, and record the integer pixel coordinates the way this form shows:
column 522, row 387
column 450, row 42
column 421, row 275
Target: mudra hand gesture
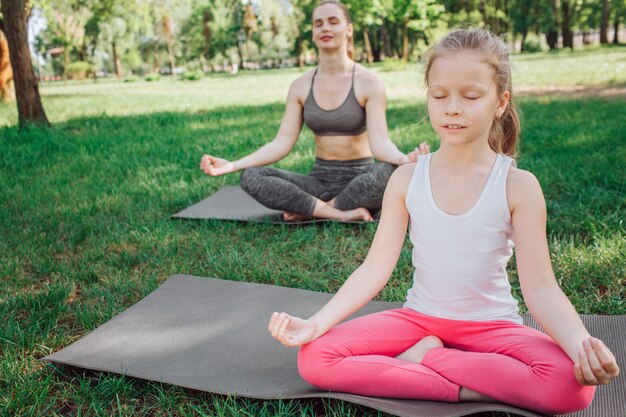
column 291, row 331
column 216, row 166
column 422, row 149
column 596, row 363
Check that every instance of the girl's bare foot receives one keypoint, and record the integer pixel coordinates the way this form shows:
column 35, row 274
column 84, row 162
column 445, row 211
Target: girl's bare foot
column 466, row 394
column 417, row 352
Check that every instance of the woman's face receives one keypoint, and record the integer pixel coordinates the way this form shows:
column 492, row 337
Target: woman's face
column 331, row 29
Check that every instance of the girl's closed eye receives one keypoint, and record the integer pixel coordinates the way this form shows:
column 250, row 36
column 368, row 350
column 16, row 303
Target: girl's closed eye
column 437, row 94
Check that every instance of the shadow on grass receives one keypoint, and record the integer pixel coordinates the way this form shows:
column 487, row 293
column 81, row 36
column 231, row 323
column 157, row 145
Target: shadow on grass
column 85, row 205
column 574, row 147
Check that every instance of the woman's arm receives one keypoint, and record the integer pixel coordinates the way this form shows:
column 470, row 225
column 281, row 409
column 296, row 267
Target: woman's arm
column 381, row 145
column 594, row 363
column 271, row 152
column 366, row 281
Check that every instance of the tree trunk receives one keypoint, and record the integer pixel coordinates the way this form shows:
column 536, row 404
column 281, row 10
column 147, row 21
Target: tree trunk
column 240, row 54
column 616, row 28
column 387, row 52
column 156, row 64
column 7, row 93
column 405, row 41
column 116, row 61
column 301, row 57
column 524, row 35
column 206, row 32
column 552, row 35
column 483, row 12
column 169, row 40
column 368, row 46
column 29, row 107
column 604, row 22
column 566, row 31
column 376, row 46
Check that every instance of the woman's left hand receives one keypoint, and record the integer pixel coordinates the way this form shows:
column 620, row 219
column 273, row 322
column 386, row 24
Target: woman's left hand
column 412, row 156
column 596, row 363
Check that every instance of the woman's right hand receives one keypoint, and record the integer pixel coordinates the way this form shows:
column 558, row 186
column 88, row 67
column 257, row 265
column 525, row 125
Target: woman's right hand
column 291, row 331
column 216, row 166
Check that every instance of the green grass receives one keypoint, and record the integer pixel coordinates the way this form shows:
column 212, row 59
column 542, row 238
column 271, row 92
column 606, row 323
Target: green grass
column 84, row 228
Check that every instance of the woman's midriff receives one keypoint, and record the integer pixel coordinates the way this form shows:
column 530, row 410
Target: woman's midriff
column 342, row 148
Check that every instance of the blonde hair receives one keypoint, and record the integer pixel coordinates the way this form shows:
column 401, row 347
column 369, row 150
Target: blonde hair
column 506, row 128
column 346, row 14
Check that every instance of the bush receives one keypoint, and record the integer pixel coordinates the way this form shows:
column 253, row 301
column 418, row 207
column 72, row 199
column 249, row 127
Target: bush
column 131, row 79
column 153, row 77
column 192, row 75
column 393, row 64
column 79, row 70
column 532, row 45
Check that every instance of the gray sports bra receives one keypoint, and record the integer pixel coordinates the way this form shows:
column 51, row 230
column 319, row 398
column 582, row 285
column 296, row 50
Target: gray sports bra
column 346, row 120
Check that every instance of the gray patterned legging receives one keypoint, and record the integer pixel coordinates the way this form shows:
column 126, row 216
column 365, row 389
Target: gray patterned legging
column 355, row 183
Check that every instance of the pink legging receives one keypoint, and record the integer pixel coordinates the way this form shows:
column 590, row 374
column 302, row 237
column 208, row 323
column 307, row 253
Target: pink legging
column 506, row 361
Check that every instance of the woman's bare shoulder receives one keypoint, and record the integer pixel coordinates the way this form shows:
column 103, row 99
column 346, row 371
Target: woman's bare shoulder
column 300, row 86
column 368, row 81
column 303, row 81
column 366, row 75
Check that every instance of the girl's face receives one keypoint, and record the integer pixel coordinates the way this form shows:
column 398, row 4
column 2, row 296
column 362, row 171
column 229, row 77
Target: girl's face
column 330, row 27
column 462, row 98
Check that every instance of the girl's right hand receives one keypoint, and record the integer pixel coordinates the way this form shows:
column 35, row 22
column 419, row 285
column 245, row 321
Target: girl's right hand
column 291, row 331
column 216, row 166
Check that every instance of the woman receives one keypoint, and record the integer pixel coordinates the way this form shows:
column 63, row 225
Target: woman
column 333, row 100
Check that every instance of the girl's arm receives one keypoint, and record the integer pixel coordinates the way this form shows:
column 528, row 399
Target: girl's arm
column 271, row 152
column 366, row 281
column 382, row 147
column 594, row 362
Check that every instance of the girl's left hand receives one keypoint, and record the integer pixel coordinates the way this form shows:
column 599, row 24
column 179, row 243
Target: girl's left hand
column 596, row 363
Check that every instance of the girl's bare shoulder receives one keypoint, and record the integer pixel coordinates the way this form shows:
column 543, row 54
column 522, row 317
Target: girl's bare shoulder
column 401, row 177
column 522, row 186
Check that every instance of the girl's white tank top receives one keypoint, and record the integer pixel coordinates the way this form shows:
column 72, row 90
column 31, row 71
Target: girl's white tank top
column 460, row 260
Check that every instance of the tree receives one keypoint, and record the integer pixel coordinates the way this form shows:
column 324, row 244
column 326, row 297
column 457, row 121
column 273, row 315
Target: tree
column 29, row 105
column 604, row 22
column 619, row 13
column 550, row 22
column 303, row 11
column 276, row 29
column 567, row 11
column 66, row 20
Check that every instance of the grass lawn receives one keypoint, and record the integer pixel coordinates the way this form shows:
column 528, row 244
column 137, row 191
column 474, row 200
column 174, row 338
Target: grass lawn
column 85, row 233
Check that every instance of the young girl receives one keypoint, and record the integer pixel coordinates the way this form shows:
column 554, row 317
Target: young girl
column 344, row 105
column 459, row 336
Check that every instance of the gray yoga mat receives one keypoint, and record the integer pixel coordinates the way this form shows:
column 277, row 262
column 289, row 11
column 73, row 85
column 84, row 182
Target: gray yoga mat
column 233, row 203
column 211, row 335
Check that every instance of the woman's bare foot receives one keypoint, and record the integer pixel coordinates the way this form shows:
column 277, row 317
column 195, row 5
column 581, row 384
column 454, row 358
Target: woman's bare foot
column 417, row 352
column 294, row 217
column 355, row 215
